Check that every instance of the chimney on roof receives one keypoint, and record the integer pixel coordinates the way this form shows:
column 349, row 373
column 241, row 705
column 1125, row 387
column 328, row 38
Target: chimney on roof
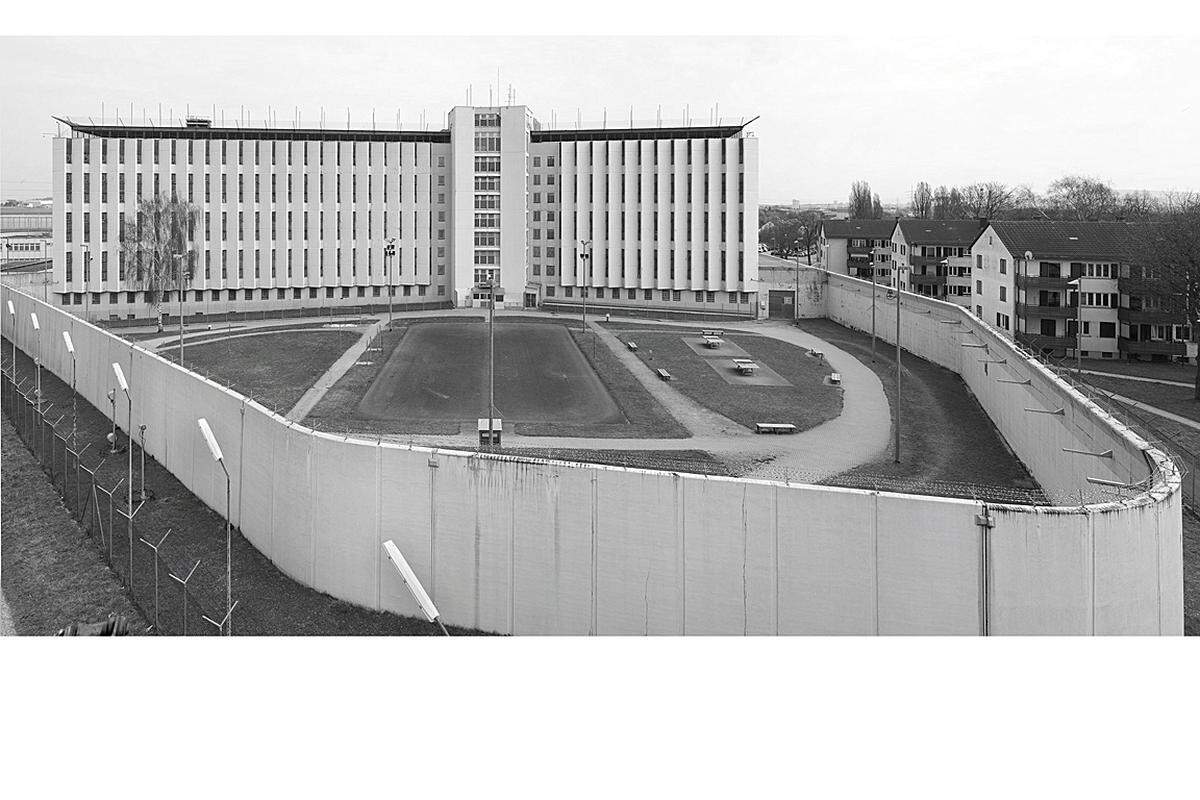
column 983, row 223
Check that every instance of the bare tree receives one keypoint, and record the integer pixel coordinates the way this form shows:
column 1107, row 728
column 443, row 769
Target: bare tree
column 989, row 200
column 1078, row 197
column 922, row 201
column 161, row 229
column 860, row 200
column 876, row 207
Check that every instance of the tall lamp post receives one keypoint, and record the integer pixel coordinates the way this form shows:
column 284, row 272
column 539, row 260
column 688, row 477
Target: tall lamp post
column 179, row 266
column 491, row 287
column 215, row 449
column 898, row 401
column 389, row 252
column 121, row 382
column 74, row 405
column 12, row 313
column 87, row 273
column 1078, row 284
column 37, row 361
column 586, row 258
column 873, row 311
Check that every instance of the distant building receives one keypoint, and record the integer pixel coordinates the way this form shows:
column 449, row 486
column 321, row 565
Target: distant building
column 1025, row 274
column 662, row 218
column 854, row 246
column 937, row 254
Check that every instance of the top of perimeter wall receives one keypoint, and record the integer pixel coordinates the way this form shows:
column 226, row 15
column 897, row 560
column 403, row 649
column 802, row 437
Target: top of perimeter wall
column 1064, row 438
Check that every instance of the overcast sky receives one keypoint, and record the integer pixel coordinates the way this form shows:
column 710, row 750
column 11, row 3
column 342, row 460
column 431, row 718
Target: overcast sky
column 832, row 110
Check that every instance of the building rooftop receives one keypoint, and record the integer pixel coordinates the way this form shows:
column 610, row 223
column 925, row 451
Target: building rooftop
column 24, row 211
column 1054, row 239
column 282, row 134
column 954, row 232
column 858, row 228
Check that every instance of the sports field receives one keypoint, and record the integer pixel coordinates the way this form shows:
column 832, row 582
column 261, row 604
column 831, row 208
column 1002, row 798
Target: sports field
column 440, row 372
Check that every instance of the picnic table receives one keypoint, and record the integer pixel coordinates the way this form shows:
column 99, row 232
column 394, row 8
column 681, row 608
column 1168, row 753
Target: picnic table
column 745, row 366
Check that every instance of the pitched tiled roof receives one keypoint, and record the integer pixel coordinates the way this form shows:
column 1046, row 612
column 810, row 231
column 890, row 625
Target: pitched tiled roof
column 859, row 228
column 955, row 232
column 1104, row 241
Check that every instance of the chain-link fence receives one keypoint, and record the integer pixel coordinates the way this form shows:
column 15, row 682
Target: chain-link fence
column 159, row 578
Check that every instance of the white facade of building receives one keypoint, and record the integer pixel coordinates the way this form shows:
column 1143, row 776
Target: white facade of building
column 289, row 219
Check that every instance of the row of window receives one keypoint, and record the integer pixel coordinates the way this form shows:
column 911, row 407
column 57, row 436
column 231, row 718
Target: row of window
column 257, row 257
column 256, row 148
column 704, row 154
column 591, row 193
column 216, row 295
column 666, row 295
column 687, row 229
column 241, row 193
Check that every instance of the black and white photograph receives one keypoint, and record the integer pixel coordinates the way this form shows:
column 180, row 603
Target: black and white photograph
column 454, row 366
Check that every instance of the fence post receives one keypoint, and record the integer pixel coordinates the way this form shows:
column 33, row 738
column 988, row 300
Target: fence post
column 155, row 547
column 184, row 582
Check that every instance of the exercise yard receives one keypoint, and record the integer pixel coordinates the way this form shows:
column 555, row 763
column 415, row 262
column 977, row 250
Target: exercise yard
column 790, row 385
column 440, row 372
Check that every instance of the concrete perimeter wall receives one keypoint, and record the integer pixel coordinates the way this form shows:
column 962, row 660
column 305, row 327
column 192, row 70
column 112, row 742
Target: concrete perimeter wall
column 541, row 547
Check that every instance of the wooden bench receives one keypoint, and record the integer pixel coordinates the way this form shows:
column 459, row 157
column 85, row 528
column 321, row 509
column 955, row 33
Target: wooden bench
column 774, row 427
column 631, row 345
column 662, row 373
column 835, row 378
column 712, row 332
column 816, row 354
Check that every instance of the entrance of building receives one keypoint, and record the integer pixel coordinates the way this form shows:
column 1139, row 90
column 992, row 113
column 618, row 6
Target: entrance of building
column 781, row 305
column 531, row 299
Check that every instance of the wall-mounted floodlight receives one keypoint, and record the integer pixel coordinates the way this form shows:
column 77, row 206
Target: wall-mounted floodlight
column 210, row 440
column 414, row 586
column 36, row 325
column 11, row 310
column 120, row 378
column 68, row 342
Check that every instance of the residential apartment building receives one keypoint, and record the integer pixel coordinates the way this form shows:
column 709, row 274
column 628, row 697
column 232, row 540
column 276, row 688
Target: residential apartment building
column 854, row 246
column 1038, row 280
column 936, row 257
column 291, row 218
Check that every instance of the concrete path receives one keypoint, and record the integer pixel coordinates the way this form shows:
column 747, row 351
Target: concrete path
column 332, row 375
column 1139, row 378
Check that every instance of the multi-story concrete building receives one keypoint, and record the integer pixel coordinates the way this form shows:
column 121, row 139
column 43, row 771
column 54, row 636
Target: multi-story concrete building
column 659, row 219
column 1037, row 280
column 853, row 246
column 936, row 255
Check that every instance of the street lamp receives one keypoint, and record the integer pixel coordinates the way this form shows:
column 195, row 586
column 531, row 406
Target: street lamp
column 898, row 403
column 389, row 252
column 74, row 404
column 179, row 264
column 37, row 360
column 413, row 584
column 215, row 449
column 586, row 257
column 12, row 312
column 1077, row 283
column 87, row 272
column 121, row 382
column 873, row 274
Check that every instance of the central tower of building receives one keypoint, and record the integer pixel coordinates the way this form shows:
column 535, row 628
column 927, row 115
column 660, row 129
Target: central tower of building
column 490, row 147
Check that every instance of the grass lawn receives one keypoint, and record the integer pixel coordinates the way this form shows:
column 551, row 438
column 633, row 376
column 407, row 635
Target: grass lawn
column 946, row 438
column 433, row 384
column 53, row 575
column 274, row 369
column 1162, row 370
column 1176, row 399
column 806, row 403
column 271, row 603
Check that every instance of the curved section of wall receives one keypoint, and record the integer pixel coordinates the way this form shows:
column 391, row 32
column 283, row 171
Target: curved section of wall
column 542, row 547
